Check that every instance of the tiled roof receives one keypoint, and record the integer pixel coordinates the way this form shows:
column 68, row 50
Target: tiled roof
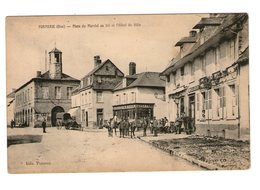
column 64, row 76
column 55, row 50
column 145, row 79
column 99, row 66
column 244, row 56
column 212, row 21
column 198, row 48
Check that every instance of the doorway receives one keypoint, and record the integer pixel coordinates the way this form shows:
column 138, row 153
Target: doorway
column 99, row 117
column 54, row 111
column 86, row 119
column 192, row 106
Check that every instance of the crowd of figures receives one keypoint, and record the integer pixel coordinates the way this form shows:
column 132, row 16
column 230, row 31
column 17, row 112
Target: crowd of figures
column 127, row 126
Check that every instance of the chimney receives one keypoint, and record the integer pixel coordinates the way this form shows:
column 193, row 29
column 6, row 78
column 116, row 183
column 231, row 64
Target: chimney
column 213, row 15
column 13, row 89
column 193, row 33
column 97, row 60
column 132, row 68
column 38, row 74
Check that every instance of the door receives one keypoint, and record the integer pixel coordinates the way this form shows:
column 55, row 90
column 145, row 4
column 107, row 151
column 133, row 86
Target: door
column 99, row 117
column 192, row 106
column 86, row 118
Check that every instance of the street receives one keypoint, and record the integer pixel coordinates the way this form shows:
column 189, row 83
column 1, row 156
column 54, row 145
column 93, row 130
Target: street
column 87, row 151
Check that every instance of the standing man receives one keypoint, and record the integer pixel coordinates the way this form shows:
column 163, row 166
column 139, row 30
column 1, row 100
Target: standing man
column 145, row 123
column 155, row 127
column 115, row 123
column 12, row 124
column 44, row 125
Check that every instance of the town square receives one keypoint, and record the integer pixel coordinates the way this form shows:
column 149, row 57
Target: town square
column 128, row 93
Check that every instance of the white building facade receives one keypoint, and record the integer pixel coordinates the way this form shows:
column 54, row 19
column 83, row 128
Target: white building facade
column 140, row 95
column 209, row 79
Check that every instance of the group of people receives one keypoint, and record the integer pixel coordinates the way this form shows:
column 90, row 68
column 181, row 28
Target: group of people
column 127, row 126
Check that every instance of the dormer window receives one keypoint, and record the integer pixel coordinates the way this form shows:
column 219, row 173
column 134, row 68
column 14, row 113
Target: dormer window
column 182, row 71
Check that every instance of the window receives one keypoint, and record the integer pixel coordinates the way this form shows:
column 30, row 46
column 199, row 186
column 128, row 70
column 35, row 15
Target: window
column 232, row 50
column 89, row 97
column 57, row 92
column 82, row 99
column 182, row 71
column 233, row 99
column 221, row 101
column 192, row 68
column 118, row 99
column 107, row 68
column 86, row 97
column 125, row 98
column 57, row 57
column 222, row 51
column 203, row 65
column 99, row 79
column 207, row 100
column 99, row 97
column 168, row 78
column 45, row 92
column 69, row 90
column 174, row 77
column 133, row 96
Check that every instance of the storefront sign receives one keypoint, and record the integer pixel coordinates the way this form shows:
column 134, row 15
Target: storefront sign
column 132, row 106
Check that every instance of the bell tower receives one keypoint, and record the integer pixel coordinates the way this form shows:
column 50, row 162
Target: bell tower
column 55, row 63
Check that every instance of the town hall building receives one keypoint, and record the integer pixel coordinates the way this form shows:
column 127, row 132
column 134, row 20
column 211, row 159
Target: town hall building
column 45, row 95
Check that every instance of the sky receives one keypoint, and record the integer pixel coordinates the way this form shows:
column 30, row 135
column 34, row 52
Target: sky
column 147, row 40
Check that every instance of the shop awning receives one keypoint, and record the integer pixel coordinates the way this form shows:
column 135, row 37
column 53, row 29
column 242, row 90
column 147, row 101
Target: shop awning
column 73, row 111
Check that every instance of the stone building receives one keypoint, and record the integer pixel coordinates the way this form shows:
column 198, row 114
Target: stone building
column 45, row 95
column 94, row 96
column 140, row 95
column 10, row 107
column 209, row 79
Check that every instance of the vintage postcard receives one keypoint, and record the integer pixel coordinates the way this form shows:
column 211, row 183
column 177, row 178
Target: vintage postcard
column 121, row 93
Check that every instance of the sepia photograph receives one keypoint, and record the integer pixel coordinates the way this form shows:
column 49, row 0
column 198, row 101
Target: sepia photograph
column 127, row 93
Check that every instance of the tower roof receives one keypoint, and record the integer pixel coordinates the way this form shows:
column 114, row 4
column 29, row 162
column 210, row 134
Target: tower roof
column 55, row 50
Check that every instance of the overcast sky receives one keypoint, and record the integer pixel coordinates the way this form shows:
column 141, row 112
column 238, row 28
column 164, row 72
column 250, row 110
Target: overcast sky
column 150, row 44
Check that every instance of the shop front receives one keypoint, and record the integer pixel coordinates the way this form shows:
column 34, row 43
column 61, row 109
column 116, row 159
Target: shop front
column 134, row 111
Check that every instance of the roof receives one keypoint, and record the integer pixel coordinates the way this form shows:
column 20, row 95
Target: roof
column 145, row 79
column 222, row 32
column 100, row 66
column 46, row 76
column 11, row 95
column 244, row 56
column 186, row 40
column 55, row 50
column 211, row 21
column 64, row 76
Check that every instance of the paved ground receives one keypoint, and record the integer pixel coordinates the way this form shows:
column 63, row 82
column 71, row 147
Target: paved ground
column 88, row 151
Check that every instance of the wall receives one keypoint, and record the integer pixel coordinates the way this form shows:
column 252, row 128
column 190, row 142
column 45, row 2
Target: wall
column 88, row 103
column 244, row 99
column 147, row 95
column 128, row 92
column 24, row 104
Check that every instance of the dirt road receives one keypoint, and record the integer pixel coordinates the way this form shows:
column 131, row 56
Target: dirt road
column 91, row 151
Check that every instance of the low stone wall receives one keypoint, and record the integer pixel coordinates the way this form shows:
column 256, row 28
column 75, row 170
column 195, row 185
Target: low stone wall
column 228, row 131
